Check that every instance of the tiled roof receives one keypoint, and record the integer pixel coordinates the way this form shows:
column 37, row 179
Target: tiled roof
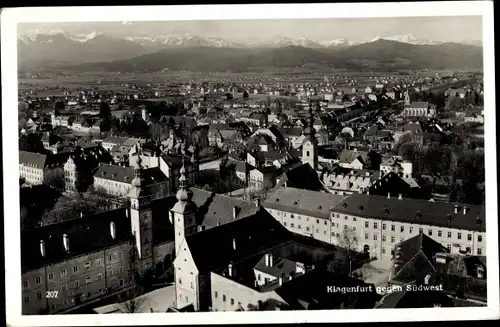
column 418, row 105
column 292, row 131
column 86, row 234
column 240, row 166
column 217, row 209
column 281, row 266
column 311, row 203
column 114, row 139
column 36, row 160
column 414, row 211
column 301, row 177
column 126, row 174
column 213, row 249
column 115, row 173
column 348, row 156
column 175, row 160
column 420, row 244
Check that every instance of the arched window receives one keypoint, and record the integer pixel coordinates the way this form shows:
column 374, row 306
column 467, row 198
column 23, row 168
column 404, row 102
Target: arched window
column 307, row 153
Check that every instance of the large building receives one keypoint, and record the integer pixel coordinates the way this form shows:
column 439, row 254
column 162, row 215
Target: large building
column 89, row 257
column 35, row 168
column 377, row 223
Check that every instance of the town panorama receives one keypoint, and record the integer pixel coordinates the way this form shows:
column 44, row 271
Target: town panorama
column 192, row 172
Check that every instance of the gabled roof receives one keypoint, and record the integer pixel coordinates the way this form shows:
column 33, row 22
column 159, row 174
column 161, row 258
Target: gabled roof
column 240, row 166
column 348, row 156
column 213, row 248
column 301, row 177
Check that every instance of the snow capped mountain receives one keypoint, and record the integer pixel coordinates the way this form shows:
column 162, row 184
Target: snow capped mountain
column 405, row 38
column 48, row 36
column 301, row 41
column 336, row 43
column 187, row 40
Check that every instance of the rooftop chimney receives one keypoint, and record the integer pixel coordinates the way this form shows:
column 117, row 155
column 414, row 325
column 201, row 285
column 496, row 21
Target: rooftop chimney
column 400, row 196
column 465, row 210
column 112, row 228
column 456, row 209
column 235, row 212
column 266, row 257
column 81, row 214
column 234, row 244
column 389, row 195
column 42, row 248
column 230, row 270
column 280, row 280
column 66, row 242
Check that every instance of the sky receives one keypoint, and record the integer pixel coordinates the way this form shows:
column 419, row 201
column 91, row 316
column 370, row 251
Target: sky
column 444, row 29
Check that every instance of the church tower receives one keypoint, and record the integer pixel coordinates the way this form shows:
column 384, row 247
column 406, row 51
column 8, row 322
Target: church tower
column 310, row 147
column 407, row 98
column 141, row 218
column 183, row 214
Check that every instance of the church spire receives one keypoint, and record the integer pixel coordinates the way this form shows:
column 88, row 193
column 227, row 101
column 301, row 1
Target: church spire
column 138, row 180
column 184, row 194
column 309, row 131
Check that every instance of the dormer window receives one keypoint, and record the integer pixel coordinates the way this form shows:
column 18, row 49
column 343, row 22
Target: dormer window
column 419, row 214
column 386, row 211
column 344, row 205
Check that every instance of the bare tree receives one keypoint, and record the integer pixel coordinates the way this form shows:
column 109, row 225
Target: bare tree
column 349, row 243
column 131, row 301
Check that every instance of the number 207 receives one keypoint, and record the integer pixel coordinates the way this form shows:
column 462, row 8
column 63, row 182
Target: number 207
column 51, row 294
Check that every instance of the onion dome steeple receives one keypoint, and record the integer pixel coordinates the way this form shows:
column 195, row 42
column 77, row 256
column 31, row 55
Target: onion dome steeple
column 184, row 194
column 309, row 131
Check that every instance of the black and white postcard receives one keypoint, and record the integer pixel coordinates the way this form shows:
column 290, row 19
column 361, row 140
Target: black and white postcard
column 249, row 163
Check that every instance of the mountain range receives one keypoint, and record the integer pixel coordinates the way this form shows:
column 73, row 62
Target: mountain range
column 57, row 48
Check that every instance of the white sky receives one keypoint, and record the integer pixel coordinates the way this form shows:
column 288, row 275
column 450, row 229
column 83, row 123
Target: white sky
column 447, row 29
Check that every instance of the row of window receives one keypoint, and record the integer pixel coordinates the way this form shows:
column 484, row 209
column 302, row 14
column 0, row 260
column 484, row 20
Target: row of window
column 292, row 225
column 411, row 230
column 76, row 269
column 39, row 295
column 216, row 295
column 33, row 171
column 76, row 283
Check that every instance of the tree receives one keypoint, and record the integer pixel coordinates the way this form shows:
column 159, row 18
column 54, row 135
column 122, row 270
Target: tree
column 54, row 178
column 405, row 138
column 349, row 243
column 104, row 110
column 409, row 151
column 131, row 301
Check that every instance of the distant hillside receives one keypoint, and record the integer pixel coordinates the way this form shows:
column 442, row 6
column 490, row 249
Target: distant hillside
column 380, row 54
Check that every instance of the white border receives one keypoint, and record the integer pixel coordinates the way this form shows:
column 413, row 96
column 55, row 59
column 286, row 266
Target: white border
column 9, row 19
